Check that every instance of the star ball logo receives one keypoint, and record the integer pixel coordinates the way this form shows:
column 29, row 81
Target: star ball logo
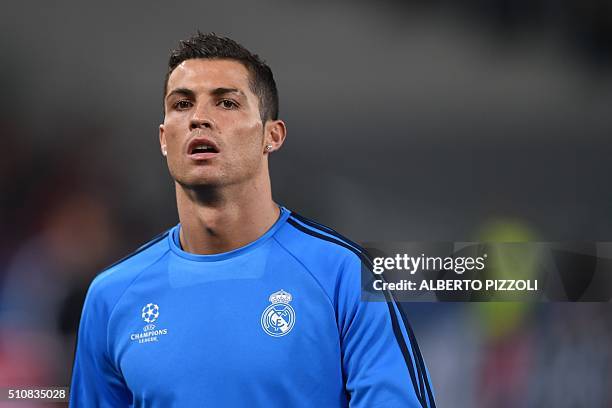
column 278, row 318
column 150, row 313
column 149, row 333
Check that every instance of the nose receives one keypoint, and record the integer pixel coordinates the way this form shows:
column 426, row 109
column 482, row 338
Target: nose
column 200, row 119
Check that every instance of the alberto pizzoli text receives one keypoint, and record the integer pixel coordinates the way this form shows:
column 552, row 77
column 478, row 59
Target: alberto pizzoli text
column 458, row 285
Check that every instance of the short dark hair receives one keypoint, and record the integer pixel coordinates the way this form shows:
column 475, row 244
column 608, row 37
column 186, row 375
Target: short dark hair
column 211, row 46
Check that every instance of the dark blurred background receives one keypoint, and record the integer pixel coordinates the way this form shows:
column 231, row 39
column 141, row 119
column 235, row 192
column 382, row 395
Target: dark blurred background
column 408, row 120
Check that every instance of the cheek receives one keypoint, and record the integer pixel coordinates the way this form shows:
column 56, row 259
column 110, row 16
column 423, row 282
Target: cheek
column 173, row 144
column 171, row 133
column 250, row 136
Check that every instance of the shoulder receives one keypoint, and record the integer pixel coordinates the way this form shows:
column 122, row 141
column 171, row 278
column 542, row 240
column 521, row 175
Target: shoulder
column 337, row 263
column 318, row 246
column 109, row 284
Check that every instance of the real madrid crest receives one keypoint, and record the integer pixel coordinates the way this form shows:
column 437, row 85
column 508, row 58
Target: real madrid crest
column 278, row 318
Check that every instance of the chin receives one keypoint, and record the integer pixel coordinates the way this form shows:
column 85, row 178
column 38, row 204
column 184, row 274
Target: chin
column 200, row 183
column 199, row 179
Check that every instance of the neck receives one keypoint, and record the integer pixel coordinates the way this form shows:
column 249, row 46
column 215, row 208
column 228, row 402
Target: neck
column 220, row 219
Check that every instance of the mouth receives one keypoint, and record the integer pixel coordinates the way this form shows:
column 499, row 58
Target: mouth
column 202, row 149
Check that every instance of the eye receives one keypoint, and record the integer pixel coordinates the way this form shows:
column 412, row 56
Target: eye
column 228, row 104
column 182, row 104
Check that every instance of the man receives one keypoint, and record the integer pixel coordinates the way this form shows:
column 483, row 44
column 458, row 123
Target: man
column 243, row 303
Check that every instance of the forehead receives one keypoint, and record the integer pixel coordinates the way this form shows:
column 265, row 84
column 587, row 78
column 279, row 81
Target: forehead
column 206, row 74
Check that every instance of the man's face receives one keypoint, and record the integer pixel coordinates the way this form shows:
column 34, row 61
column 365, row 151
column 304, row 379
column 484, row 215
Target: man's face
column 212, row 130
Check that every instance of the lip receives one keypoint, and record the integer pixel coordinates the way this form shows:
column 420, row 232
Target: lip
column 202, row 156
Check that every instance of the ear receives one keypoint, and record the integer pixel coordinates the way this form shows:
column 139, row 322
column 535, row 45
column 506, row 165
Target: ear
column 162, row 141
column 275, row 135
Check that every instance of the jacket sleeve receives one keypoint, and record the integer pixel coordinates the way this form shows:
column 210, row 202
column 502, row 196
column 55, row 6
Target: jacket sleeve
column 95, row 380
column 382, row 364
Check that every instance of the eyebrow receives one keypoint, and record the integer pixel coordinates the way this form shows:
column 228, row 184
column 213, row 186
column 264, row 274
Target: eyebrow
column 181, row 91
column 215, row 92
column 224, row 91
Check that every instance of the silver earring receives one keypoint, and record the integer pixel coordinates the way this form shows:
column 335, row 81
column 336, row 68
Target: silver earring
column 164, row 151
column 269, row 148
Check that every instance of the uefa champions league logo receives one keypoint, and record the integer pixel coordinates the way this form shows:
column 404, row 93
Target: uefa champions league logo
column 150, row 313
column 149, row 333
column 278, row 318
